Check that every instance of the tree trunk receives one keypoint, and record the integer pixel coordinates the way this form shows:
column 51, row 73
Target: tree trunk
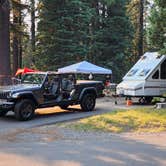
column 33, row 38
column 15, row 40
column 141, row 26
column 15, row 53
column 4, row 39
column 20, row 39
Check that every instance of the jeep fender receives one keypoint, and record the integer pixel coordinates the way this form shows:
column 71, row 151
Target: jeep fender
column 88, row 90
column 25, row 95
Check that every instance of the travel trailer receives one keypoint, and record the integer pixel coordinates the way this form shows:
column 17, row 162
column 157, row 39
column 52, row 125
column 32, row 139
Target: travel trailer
column 146, row 79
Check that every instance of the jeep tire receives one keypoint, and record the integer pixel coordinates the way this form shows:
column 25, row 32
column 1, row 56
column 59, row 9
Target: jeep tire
column 24, row 110
column 64, row 106
column 88, row 102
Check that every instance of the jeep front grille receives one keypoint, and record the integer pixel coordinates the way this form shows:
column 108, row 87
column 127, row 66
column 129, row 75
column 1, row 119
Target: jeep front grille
column 3, row 95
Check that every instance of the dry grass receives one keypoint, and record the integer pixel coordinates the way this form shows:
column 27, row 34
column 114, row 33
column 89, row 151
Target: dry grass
column 137, row 120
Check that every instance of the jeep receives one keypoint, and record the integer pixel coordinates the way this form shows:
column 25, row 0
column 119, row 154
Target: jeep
column 48, row 89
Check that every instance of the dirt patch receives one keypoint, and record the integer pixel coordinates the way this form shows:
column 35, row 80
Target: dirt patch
column 39, row 134
column 54, row 133
column 158, row 139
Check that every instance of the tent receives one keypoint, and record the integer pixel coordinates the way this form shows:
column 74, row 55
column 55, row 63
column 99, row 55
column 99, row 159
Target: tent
column 24, row 70
column 84, row 67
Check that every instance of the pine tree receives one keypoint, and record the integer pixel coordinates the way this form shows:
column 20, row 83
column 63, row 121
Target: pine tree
column 114, row 38
column 157, row 27
column 33, row 29
column 63, row 32
column 17, row 33
column 137, row 11
column 16, row 36
column 4, row 39
column 96, row 30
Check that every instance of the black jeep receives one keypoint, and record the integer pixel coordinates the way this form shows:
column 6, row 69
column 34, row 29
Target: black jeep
column 48, row 89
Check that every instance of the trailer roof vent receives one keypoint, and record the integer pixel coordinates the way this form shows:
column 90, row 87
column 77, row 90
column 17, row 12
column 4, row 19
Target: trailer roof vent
column 143, row 57
column 158, row 56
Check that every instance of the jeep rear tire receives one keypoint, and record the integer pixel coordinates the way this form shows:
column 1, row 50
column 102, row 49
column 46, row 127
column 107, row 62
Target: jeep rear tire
column 24, row 110
column 88, row 102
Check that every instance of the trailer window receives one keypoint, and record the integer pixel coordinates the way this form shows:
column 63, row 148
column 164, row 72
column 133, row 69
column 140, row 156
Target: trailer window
column 156, row 75
column 132, row 72
column 163, row 70
column 144, row 72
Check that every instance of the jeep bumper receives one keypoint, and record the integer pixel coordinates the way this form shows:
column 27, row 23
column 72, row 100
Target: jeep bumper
column 5, row 105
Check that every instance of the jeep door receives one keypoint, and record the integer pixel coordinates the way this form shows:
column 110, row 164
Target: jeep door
column 51, row 88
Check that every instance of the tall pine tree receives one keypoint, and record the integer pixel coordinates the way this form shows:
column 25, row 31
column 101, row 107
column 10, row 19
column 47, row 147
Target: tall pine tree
column 114, row 37
column 4, row 40
column 63, row 32
column 71, row 31
column 157, row 27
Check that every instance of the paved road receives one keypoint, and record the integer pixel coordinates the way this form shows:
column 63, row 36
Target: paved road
column 81, row 149
column 27, row 144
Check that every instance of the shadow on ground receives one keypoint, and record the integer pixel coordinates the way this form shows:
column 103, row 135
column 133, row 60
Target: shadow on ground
column 112, row 150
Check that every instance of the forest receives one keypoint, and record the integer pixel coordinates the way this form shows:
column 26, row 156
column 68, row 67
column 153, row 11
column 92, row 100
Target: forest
column 48, row 34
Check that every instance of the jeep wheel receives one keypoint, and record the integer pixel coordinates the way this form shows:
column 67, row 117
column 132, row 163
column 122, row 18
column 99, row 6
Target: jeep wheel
column 64, row 106
column 3, row 113
column 88, row 102
column 24, row 110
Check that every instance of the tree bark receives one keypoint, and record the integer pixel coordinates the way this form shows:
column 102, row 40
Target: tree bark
column 33, row 36
column 15, row 40
column 141, row 26
column 4, row 39
column 15, row 53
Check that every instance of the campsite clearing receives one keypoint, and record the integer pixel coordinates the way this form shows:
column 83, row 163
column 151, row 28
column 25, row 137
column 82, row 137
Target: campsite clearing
column 40, row 144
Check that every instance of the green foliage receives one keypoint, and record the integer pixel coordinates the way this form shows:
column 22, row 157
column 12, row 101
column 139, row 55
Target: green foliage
column 75, row 30
column 114, row 39
column 157, row 27
column 63, row 32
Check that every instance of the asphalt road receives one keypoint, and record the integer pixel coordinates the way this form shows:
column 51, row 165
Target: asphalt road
column 34, row 143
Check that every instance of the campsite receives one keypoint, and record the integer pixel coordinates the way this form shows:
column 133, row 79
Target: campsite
column 82, row 82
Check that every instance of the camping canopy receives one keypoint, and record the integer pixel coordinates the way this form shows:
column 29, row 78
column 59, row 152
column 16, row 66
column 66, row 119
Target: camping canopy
column 84, row 67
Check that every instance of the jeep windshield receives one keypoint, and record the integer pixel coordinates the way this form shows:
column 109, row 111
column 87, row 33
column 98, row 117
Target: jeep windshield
column 33, row 78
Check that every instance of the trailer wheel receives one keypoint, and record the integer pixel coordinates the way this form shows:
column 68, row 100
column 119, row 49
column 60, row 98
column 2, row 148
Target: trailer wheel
column 145, row 100
column 141, row 100
column 148, row 100
column 24, row 110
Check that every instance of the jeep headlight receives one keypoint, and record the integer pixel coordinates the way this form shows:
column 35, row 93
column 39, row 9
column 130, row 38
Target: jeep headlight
column 15, row 95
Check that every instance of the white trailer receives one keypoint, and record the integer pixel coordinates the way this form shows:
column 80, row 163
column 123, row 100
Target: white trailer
column 146, row 79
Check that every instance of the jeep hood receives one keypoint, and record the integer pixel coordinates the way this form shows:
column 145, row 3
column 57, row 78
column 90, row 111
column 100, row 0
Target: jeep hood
column 19, row 87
